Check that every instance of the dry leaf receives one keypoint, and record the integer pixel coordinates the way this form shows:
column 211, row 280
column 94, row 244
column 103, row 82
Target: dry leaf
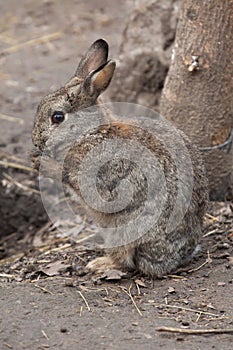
column 55, row 268
column 111, row 275
column 171, row 290
column 140, row 283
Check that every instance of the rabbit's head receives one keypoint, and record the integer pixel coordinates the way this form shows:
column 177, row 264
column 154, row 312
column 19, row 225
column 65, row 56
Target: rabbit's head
column 91, row 78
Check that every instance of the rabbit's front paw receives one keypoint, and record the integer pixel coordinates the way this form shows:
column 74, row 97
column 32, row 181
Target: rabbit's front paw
column 101, row 264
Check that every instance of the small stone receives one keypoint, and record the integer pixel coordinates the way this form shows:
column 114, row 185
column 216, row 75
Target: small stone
column 140, row 283
column 147, row 336
column 221, row 284
column 226, row 245
column 206, row 274
column 69, row 284
column 171, row 290
column 63, row 330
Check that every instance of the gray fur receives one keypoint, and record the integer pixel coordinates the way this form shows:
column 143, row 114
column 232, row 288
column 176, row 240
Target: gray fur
column 157, row 252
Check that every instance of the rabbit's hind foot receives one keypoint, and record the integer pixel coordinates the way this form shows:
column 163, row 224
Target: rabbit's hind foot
column 101, row 264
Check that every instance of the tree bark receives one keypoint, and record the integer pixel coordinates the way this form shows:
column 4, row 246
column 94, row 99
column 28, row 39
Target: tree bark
column 198, row 92
column 145, row 52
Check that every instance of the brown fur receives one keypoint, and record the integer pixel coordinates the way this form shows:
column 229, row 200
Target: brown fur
column 157, row 252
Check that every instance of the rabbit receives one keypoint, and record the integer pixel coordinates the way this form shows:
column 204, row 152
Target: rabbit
column 158, row 251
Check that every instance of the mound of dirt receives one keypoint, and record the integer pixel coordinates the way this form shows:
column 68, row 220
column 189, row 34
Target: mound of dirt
column 21, row 211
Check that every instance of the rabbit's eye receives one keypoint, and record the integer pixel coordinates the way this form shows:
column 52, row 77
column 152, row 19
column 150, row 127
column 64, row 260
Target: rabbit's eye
column 57, row 117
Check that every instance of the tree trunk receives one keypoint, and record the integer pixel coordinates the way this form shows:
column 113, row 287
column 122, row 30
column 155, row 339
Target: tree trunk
column 145, row 52
column 198, row 92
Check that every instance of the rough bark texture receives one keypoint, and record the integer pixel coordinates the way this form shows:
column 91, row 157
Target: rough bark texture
column 198, row 93
column 145, row 52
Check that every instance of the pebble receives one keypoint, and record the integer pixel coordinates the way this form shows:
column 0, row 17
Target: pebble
column 221, row 284
column 63, row 330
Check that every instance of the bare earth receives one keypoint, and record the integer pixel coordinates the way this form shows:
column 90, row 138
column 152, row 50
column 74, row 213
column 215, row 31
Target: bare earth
column 48, row 301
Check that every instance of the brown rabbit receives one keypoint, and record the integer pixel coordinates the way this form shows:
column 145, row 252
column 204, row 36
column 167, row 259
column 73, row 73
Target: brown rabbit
column 150, row 247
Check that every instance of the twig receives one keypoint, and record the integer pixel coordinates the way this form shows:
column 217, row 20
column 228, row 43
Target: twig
column 187, row 309
column 199, row 267
column 9, row 118
column 67, row 245
column 210, row 232
column 81, row 310
column 10, row 156
column 138, row 288
column 11, row 259
column 7, row 39
column 84, row 238
column 44, row 289
column 214, row 318
column 175, row 276
column 21, row 186
column 132, row 299
column 85, row 300
column 209, row 216
column 44, row 334
column 6, row 275
column 198, row 317
column 41, row 40
column 195, row 331
column 208, row 261
column 17, row 166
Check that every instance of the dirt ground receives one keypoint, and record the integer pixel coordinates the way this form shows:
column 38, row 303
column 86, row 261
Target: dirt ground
column 48, row 301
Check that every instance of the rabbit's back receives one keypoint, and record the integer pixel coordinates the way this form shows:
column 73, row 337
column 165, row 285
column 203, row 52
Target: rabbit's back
column 143, row 182
column 117, row 169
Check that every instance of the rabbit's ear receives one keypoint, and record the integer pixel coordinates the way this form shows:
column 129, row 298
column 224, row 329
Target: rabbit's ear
column 95, row 57
column 97, row 81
